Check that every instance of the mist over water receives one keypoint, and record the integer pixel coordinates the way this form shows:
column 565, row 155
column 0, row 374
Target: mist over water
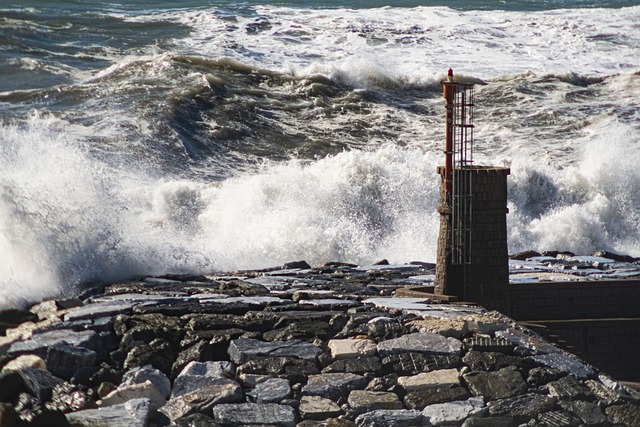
column 219, row 137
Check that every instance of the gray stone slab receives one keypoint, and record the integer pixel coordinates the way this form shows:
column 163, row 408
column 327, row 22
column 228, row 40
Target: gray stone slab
column 558, row 419
column 134, row 413
column 566, row 363
column 360, row 365
column 412, row 363
column 453, row 413
column 244, row 349
column 204, row 399
column 391, row 418
column 333, row 386
column 422, row 398
column 421, row 342
column 40, row 343
column 318, row 408
column 361, row 401
column 570, row 389
column 148, row 373
column 272, row 390
column 101, row 309
column 246, row 414
column 589, row 412
column 527, row 405
column 63, row 360
column 507, row 382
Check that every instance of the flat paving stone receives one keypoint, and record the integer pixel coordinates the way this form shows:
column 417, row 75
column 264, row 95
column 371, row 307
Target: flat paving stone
column 246, row 414
column 565, row 363
column 422, row 398
column 333, row 386
column 243, row 349
column 391, row 418
column 318, row 408
column 421, row 342
column 453, row 413
column 506, row 382
column 350, row 348
column 412, row 363
column 272, row 390
column 40, row 343
column 134, row 413
column 361, row 401
column 428, row 380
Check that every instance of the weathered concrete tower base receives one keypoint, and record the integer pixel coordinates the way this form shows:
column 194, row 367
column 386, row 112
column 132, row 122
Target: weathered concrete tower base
column 482, row 275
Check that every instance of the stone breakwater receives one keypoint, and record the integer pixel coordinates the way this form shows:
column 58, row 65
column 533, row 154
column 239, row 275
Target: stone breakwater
column 294, row 347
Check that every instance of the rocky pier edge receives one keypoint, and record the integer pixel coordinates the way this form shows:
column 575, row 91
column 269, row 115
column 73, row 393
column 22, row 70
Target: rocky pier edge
column 296, row 346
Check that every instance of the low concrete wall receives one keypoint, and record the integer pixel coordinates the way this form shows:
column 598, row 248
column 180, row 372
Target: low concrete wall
column 575, row 300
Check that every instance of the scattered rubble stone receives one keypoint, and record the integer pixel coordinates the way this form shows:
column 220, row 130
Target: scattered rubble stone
column 298, row 346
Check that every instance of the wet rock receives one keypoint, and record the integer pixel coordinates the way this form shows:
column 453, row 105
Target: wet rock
column 351, row 348
column 391, row 418
column 453, row 413
column 318, row 408
column 333, row 386
column 568, row 388
column 243, row 350
column 588, row 412
column 361, row 401
column 427, row 380
column 63, row 360
column 414, row 363
column 244, row 414
column 526, row 406
column 422, row 398
column 272, row 390
column 134, row 413
column 627, row 414
column 507, row 382
column 360, row 365
column 421, row 342
column 147, row 373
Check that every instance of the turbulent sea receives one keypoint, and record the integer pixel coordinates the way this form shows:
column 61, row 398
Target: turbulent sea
column 147, row 137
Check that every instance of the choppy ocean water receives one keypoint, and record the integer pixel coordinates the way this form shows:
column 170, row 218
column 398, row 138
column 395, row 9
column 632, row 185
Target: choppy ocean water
column 152, row 137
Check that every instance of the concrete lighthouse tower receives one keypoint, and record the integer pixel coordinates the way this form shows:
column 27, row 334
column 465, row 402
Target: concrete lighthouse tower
column 472, row 259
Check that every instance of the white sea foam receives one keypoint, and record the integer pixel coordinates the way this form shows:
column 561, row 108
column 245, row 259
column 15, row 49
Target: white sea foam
column 422, row 43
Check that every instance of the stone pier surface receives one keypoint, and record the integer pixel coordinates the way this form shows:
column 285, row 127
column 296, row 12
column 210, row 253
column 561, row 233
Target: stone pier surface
column 297, row 346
